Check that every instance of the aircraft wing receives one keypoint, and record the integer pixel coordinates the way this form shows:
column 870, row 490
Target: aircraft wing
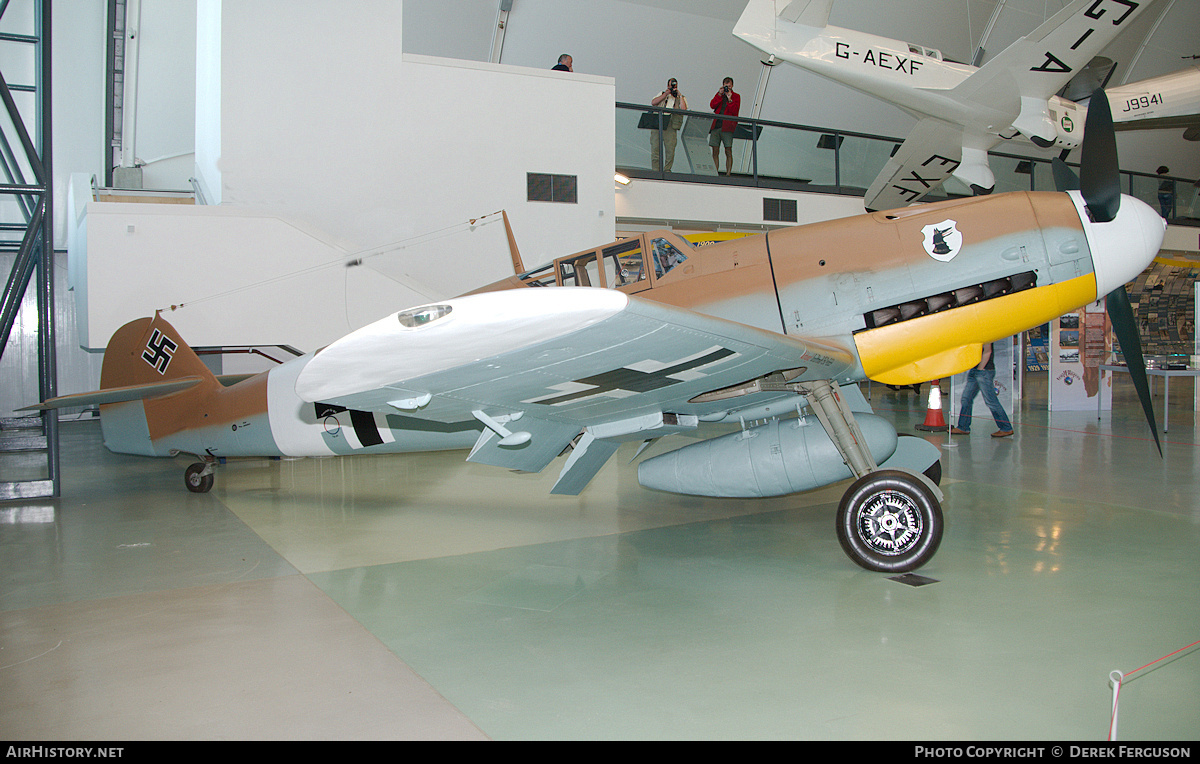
column 928, row 156
column 540, row 368
column 1038, row 65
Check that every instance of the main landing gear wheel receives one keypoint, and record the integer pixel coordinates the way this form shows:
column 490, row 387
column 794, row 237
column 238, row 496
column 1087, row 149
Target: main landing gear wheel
column 889, row 521
column 198, row 478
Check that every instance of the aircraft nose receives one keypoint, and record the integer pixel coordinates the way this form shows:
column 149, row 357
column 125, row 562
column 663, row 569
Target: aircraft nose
column 1124, row 246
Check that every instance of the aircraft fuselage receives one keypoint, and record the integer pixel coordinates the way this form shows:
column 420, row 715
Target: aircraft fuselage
column 916, row 292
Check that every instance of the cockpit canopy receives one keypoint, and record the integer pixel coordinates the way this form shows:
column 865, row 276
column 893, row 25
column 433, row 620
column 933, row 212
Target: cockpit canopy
column 630, row 265
column 921, row 50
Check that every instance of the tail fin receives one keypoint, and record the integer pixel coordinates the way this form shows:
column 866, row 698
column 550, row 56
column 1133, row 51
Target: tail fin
column 796, row 22
column 145, row 359
column 149, row 351
column 807, row 13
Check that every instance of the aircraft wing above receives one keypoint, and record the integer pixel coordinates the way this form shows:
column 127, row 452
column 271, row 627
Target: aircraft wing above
column 928, row 156
column 1038, row 65
column 542, row 367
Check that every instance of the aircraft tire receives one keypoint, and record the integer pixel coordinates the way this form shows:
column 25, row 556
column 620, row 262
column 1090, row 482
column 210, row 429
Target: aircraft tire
column 195, row 481
column 889, row 522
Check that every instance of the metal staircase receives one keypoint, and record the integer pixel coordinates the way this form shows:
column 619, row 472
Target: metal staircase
column 27, row 237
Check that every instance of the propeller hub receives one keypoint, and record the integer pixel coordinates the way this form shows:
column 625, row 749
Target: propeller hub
column 1124, row 246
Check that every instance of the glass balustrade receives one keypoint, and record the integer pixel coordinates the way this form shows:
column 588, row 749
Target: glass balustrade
column 673, row 145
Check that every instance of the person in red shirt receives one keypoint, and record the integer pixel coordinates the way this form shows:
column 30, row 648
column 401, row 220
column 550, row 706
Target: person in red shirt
column 728, row 103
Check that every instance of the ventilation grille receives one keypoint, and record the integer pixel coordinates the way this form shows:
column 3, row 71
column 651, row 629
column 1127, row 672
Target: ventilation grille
column 779, row 210
column 543, row 187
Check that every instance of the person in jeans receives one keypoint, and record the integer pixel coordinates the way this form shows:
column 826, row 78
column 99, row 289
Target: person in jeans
column 982, row 379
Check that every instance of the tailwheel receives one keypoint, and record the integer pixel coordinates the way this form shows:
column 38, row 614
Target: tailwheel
column 889, row 521
column 199, row 477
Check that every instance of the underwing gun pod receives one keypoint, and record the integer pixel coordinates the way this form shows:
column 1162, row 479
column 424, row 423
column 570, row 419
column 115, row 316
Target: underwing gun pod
column 649, row 336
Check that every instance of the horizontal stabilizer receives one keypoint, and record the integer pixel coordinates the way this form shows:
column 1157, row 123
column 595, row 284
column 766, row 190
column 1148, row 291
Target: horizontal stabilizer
column 116, row 394
column 229, row 380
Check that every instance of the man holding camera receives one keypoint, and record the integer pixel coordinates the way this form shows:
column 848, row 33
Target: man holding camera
column 727, row 103
column 668, row 99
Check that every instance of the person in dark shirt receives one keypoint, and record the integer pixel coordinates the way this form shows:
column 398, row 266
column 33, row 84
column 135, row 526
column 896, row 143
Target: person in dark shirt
column 565, row 64
column 1166, row 192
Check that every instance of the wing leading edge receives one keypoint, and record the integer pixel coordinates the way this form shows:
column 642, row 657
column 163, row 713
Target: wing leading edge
column 929, row 155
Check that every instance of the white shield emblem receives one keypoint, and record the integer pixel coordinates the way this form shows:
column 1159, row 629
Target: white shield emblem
column 942, row 240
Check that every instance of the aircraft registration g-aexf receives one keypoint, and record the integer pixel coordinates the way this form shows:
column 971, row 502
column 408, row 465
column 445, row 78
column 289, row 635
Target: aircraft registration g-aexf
column 963, row 111
column 648, row 336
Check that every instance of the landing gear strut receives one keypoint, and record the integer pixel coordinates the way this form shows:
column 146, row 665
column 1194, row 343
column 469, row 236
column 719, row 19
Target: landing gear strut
column 888, row 521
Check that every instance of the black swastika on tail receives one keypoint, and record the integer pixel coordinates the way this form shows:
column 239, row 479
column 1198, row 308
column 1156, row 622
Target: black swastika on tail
column 159, row 351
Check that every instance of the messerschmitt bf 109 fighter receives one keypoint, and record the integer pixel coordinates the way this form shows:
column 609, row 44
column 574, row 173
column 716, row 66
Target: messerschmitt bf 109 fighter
column 964, row 111
column 647, row 337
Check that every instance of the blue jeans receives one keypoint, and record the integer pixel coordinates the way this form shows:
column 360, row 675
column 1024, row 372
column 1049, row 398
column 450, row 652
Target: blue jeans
column 982, row 381
column 1164, row 201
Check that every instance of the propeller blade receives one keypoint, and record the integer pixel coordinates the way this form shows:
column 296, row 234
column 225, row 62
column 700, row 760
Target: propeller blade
column 1099, row 173
column 1099, row 182
column 1120, row 312
column 1065, row 178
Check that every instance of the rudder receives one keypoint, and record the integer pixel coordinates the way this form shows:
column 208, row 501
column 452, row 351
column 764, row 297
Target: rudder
column 149, row 350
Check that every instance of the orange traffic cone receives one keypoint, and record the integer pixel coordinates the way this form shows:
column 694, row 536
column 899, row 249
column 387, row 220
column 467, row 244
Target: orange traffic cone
column 934, row 421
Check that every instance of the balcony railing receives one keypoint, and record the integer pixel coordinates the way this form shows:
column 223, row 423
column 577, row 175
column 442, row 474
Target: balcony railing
column 778, row 155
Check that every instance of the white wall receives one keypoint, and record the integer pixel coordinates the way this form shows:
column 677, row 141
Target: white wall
column 207, row 101
column 691, row 205
column 160, row 55
column 362, row 153
column 639, row 43
column 374, row 148
column 222, row 276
